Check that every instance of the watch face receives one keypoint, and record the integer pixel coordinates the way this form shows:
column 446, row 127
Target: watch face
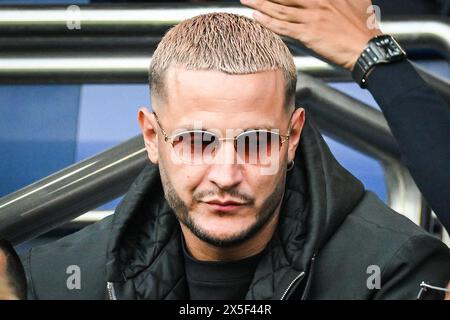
column 389, row 47
column 382, row 49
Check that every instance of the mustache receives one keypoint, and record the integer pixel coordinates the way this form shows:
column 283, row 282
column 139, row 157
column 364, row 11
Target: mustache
column 231, row 193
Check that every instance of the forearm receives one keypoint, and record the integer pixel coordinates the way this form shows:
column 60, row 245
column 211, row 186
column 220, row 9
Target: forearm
column 420, row 121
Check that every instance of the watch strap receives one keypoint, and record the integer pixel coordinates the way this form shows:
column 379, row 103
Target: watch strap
column 380, row 50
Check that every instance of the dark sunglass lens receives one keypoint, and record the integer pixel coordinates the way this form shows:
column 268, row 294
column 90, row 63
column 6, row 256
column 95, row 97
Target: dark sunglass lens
column 266, row 141
column 182, row 145
column 191, row 146
column 255, row 147
column 247, row 147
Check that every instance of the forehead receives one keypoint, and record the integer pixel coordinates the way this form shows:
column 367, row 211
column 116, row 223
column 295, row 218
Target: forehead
column 224, row 100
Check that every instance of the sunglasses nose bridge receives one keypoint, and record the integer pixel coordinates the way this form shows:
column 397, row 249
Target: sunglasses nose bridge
column 226, row 151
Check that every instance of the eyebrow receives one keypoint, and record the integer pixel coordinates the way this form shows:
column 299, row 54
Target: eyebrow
column 262, row 127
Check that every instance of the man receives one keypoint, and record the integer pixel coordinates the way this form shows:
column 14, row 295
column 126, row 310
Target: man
column 243, row 199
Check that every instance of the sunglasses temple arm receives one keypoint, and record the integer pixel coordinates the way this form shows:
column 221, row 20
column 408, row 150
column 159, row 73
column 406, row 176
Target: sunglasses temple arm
column 426, row 285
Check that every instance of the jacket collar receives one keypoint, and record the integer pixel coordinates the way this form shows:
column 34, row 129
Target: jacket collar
column 144, row 254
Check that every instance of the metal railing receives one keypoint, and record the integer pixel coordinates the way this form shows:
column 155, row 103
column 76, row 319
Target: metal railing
column 126, row 69
column 58, row 52
column 147, row 19
column 63, row 196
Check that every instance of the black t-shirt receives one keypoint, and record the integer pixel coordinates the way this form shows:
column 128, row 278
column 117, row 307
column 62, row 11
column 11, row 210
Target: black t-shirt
column 218, row 280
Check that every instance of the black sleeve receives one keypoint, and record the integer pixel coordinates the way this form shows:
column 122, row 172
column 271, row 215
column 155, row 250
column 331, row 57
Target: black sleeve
column 420, row 121
column 421, row 258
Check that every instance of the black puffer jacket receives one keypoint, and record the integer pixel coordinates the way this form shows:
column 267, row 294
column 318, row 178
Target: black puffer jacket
column 330, row 231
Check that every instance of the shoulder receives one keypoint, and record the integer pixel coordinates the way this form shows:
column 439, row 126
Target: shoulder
column 372, row 215
column 374, row 237
column 53, row 269
column 384, row 232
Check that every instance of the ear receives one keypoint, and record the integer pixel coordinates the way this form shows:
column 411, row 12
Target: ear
column 149, row 133
column 297, row 123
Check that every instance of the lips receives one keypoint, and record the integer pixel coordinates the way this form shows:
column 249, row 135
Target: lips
column 224, row 206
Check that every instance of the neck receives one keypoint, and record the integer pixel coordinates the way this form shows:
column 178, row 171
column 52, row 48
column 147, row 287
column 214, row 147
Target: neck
column 203, row 251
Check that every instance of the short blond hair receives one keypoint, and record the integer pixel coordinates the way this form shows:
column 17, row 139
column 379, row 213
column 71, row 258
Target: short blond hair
column 224, row 42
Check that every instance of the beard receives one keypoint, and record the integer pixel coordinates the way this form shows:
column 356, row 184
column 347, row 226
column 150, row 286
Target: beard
column 181, row 210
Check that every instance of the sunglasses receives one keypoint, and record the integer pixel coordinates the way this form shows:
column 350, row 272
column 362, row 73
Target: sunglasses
column 428, row 292
column 200, row 146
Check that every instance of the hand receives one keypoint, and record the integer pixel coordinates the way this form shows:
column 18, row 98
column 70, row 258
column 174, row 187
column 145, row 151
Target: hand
column 338, row 30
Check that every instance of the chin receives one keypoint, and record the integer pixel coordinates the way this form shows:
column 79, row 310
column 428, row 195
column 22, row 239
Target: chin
column 221, row 232
column 225, row 229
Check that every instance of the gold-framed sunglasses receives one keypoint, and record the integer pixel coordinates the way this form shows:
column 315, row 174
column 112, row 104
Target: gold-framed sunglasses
column 253, row 146
column 429, row 292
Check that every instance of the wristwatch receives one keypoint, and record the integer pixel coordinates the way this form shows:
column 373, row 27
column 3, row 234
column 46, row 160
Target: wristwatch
column 380, row 50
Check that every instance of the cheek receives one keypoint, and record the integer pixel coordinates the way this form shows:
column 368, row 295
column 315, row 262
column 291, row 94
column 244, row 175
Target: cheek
column 184, row 178
column 189, row 178
column 262, row 186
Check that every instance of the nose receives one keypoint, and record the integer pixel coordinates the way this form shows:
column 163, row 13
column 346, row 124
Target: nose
column 224, row 172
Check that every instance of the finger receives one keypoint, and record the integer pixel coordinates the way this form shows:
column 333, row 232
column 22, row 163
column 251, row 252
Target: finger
column 297, row 3
column 284, row 28
column 277, row 11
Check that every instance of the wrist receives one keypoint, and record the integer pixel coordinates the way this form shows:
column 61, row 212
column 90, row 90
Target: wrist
column 381, row 49
column 360, row 46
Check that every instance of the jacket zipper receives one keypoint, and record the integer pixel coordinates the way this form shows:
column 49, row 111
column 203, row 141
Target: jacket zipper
column 111, row 291
column 291, row 284
column 310, row 275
